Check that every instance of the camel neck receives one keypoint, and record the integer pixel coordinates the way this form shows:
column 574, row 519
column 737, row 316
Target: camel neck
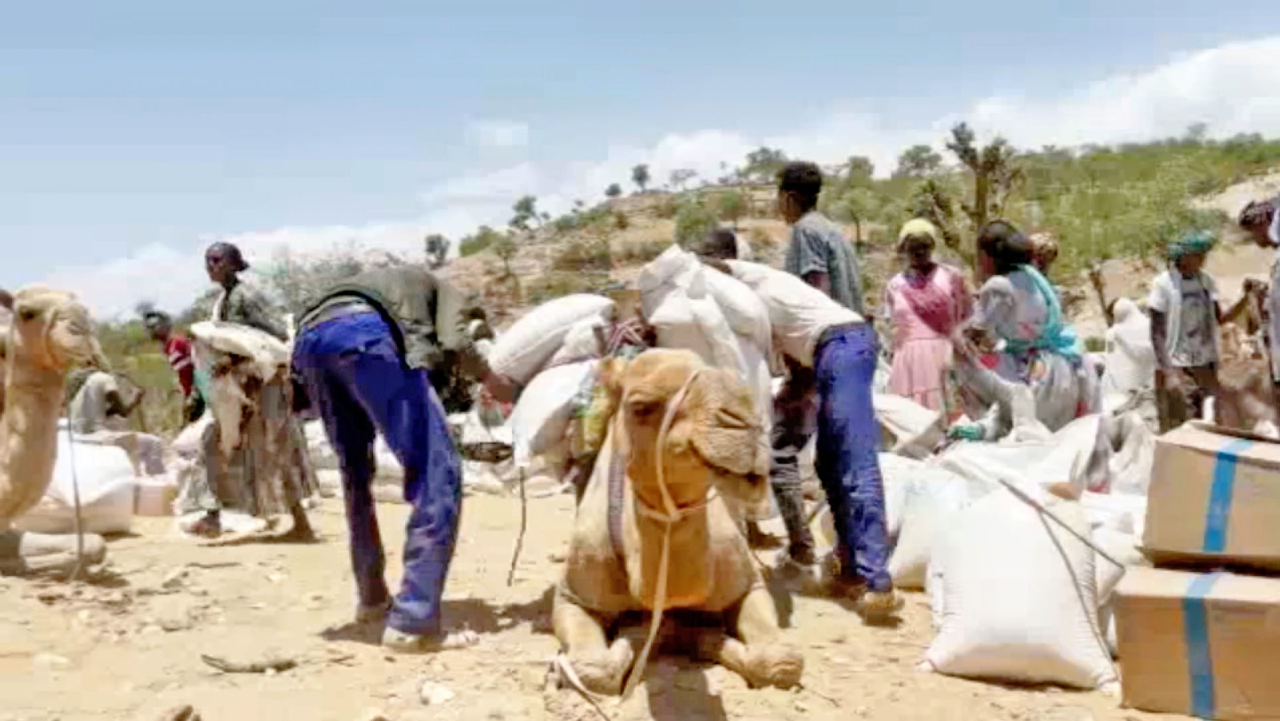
column 28, row 437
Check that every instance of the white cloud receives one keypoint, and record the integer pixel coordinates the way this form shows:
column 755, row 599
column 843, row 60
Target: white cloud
column 498, row 134
column 1233, row 88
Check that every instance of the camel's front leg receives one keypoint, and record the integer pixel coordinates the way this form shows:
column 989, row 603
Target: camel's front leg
column 758, row 652
column 599, row 666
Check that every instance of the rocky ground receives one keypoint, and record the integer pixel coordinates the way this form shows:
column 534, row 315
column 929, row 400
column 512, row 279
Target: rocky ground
column 129, row 644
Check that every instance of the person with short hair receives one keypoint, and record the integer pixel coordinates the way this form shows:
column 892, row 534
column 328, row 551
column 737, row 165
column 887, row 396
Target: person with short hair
column 818, row 251
column 832, row 351
column 99, row 405
column 1260, row 219
column 177, row 349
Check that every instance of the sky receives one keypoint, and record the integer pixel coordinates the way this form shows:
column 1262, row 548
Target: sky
column 134, row 133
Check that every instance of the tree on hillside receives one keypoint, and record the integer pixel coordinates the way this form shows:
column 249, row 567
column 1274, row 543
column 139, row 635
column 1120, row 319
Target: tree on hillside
column 858, row 170
column 764, row 163
column 731, row 205
column 858, row 206
column 640, row 176
column 526, row 212
column 995, row 175
column 613, row 191
column 437, row 249
column 680, row 177
column 918, row 161
column 693, row 222
column 504, row 246
column 931, row 200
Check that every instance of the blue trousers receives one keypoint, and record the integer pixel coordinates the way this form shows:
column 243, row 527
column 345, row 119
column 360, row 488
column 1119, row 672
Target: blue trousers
column 357, row 380
column 847, row 462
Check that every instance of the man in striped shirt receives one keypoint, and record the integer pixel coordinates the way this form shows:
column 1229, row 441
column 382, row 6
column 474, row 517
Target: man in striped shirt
column 178, row 350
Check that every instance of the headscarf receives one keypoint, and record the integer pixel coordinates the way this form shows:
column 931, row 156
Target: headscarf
column 914, row 228
column 1195, row 242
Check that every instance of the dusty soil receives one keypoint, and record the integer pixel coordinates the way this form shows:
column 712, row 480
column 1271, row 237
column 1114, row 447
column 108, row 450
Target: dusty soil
column 129, row 644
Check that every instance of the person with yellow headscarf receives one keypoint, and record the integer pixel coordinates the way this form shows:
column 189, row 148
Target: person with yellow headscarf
column 922, row 305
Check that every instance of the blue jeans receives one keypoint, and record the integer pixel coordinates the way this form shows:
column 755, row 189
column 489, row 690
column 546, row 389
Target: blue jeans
column 357, row 380
column 847, row 462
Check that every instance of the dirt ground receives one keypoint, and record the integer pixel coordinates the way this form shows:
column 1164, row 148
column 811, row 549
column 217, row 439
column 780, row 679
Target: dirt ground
column 129, row 644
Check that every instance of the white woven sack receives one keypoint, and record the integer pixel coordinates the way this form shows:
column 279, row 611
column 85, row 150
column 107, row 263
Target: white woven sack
column 523, row 350
column 540, row 419
column 1020, row 597
column 1122, row 547
column 930, row 498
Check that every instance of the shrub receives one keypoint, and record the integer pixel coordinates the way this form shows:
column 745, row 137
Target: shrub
column 556, row 284
column 585, row 255
column 760, row 242
column 693, row 222
column 642, row 251
column 620, row 220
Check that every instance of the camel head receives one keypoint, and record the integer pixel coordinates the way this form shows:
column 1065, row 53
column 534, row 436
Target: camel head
column 51, row 332
column 714, row 439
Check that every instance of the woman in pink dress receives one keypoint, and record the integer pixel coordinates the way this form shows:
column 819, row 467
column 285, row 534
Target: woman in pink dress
column 923, row 304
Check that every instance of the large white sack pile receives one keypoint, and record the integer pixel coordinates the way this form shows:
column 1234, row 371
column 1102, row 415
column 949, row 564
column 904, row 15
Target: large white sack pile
column 105, row 478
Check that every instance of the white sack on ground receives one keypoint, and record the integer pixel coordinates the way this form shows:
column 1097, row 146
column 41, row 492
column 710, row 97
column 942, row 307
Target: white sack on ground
column 1019, row 597
column 1122, row 547
column 105, row 479
column 526, row 347
column 930, row 501
column 541, row 417
column 581, row 342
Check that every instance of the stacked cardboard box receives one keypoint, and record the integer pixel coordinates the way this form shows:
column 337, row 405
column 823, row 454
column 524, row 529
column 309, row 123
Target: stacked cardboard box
column 1200, row 640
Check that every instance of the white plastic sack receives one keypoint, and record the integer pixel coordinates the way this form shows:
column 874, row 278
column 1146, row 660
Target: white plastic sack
column 930, row 498
column 105, row 478
column 1070, row 461
column 1131, row 463
column 1122, row 547
column 526, row 347
column 1130, row 358
column 683, row 313
column 912, row 429
column 541, row 418
column 579, row 342
column 1019, row 597
column 267, row 352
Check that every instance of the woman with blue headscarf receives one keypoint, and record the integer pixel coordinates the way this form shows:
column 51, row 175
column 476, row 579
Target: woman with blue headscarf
column 1185, row 316
column 1018, row 336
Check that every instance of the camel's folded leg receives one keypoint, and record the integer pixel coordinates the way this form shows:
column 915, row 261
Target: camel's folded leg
column 758, row 653
column 27, row 553
column 581, row 633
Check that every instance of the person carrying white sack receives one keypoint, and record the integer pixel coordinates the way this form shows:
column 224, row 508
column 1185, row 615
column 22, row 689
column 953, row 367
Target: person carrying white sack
column 831, row 351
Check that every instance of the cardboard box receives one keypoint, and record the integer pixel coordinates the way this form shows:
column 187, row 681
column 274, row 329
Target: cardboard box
column 154, row 497
column 1206, row 645
column 1214, row 499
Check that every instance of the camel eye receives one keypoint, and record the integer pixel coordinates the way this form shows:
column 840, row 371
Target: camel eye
column 28, row 314
column 644, row 408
